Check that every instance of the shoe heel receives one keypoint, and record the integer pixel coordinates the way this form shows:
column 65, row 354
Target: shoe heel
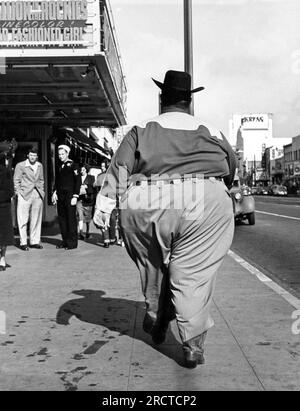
column 192, row 358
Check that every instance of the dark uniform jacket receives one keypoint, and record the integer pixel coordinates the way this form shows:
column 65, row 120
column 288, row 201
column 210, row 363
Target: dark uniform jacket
column 172, row 144
column 68, row 179
column 6, row 185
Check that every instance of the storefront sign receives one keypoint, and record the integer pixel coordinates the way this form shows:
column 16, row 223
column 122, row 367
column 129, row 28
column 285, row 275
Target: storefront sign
column 297, row 169
column 59, row 23
column 255, row 122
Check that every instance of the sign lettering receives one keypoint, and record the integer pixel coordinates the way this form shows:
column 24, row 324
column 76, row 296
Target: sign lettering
column 255, row 122
column 57, row 23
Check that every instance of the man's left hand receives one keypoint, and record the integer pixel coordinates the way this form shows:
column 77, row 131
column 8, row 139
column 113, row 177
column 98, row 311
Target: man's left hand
column 74, row 201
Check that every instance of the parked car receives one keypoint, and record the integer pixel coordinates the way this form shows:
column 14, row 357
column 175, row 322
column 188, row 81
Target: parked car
column 278, row 190
column 244, row 203
column 262, row 191
column 254, row 189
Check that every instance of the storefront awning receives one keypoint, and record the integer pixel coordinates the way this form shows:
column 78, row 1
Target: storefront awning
column 76, row 137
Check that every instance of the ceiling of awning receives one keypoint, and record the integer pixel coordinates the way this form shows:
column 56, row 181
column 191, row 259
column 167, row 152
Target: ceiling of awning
column 86, row 143
column 74, row 92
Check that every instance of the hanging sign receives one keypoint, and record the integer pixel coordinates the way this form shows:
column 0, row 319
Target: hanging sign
column 30, row 23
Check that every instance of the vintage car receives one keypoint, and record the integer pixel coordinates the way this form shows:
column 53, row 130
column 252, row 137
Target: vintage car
column 243, row 201
column 262, row 190
column 278, row 190
column 254, row 189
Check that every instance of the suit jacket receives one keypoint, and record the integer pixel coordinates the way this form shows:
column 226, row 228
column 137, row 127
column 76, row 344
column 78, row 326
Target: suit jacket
column 6, row 185
column 89, row 198
column 26, row 180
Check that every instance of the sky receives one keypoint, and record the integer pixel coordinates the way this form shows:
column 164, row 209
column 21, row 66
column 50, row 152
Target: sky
column 246, row 54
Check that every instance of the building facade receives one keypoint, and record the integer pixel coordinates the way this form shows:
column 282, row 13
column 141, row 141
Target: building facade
column 60, row 76
column 292, row 165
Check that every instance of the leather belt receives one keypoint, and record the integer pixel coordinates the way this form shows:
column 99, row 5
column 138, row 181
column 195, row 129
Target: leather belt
column 174, row 181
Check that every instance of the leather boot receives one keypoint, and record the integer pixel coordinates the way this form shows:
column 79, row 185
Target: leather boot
column 193, row 351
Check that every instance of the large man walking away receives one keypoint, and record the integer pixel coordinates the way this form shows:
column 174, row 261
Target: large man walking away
column 66, row 194
column 177, row 215
column 29, row 187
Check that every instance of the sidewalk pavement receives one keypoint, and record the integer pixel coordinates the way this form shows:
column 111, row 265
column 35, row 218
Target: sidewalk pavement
column 74, row 322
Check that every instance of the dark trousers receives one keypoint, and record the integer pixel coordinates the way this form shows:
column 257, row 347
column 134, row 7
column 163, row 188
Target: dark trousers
column 110, row 233
column 67, row 220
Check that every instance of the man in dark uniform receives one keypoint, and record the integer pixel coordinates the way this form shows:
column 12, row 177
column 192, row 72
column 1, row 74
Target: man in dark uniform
column 66, row 194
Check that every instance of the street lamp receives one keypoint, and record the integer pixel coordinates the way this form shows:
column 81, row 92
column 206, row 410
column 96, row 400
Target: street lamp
column 188, row 41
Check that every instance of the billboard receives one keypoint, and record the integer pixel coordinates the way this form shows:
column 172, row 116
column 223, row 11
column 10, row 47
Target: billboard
column 255, row 122
column 53, row 23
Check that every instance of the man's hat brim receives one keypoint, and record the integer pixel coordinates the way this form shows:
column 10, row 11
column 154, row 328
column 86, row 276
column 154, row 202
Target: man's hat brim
column 163, row 86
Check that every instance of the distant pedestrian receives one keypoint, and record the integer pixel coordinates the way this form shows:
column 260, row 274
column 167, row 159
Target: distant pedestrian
column 100, row 177
column 66, row 194
column 29, row 188
column 109, row 233
column 6, row 194
column 86, row 201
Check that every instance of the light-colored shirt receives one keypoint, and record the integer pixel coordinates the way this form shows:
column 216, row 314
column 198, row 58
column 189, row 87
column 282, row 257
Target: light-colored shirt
column 33, row 166
column 174, row 143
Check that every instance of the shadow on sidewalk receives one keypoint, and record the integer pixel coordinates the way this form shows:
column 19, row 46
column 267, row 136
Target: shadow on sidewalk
column 51, row 241
column 114, row 314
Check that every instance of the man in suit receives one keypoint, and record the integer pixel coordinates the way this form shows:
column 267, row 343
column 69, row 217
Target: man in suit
column 86, row 201
column 29, row 188
column 66, row 194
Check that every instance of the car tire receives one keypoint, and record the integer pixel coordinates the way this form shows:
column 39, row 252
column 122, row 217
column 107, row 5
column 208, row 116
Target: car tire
column 251, row 218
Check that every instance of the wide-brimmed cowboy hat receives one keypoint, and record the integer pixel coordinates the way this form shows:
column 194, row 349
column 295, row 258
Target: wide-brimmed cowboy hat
column 178, row 81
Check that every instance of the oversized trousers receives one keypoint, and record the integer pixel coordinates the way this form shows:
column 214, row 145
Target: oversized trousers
column 178, row 236
column 67, row 220
column 30, row 211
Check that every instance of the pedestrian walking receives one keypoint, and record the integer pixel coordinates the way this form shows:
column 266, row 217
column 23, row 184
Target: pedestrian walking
column 6, row 194
column 109, row 233
column 86, row 201
column 29, row 188
column 176, row 213
column 100, row 177
column 66, row 194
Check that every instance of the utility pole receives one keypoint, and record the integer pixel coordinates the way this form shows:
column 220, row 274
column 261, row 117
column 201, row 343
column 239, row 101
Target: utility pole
column 188, row 41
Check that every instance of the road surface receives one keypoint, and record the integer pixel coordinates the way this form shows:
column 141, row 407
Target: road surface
column 273, row 244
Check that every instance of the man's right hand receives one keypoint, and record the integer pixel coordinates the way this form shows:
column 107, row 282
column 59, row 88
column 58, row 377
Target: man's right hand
column 54, row 198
